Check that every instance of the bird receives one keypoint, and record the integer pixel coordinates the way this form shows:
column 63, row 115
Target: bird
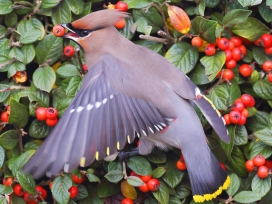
column 130, row 91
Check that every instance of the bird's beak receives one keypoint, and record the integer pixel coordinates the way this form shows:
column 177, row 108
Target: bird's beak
column 71, row 34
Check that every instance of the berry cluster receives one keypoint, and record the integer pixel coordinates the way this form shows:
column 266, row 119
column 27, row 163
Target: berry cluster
column 239, row 112
column 260, row 164
column 40, row 194
column 121, row 6
column 180, row 164
column 150, row 184
column 5, row 114
column 50, row 115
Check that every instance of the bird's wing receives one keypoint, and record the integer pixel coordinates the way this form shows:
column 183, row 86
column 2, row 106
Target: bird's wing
column 108, row 111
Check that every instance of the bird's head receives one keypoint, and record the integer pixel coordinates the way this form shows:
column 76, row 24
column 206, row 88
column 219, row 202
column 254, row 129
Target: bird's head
column 89, row 29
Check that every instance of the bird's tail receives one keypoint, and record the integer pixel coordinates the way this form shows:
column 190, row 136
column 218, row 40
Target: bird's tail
column 208, row 179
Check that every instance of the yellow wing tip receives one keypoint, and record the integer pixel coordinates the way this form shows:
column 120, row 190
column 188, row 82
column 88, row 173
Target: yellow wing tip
column 207, row 197
column 82, row 161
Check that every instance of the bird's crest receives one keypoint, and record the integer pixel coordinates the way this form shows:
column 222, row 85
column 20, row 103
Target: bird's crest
column 102, row 18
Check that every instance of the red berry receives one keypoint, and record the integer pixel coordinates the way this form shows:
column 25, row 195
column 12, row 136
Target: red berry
column 84, row 67
column 44, row 193
column 5, row 117
column 231, row 45
column 7, row 181
column 262, row 172
column 269, row 77
column 266, row 40
column 68, row 51
column 40, row 192
column 245, row 70
column 242, row 120
column 257, row 42
column 238, row 99
column 126, row 201
column 268, row 164
column 246, row 99
column 28, row 197
column 227, row 74
column 197, row 42
column 236, row 40
column 153, row 184
column 267, row 66
column 252, row 103
column 120, row 24
column 235, row 117
column 259, row 160
column 134, row 174
column 243, row 48
column 237, row 54
column 238, row 106
column 227, row 119
column 51, row 122
column 223, row 166
column 144, row 188
column 77, row 179
column 51, row 113
column 146, row 178
column 228, row 55
column 249, row 165
column 245, row 113
column 210, row 50
column 223, row 43
column 230, row 64
column 41, row 113
column 122, row 6
column 58, row 30
column 18, row 190
column 181, row 165
column 73, row 192
column 268, row 50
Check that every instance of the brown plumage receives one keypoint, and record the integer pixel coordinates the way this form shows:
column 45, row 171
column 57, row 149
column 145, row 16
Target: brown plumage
column 131, row 91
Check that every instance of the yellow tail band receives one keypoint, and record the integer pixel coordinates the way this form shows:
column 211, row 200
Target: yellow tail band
column 207, row 197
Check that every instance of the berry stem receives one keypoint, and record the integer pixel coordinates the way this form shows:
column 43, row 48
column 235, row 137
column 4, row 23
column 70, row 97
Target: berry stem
column 82, row 71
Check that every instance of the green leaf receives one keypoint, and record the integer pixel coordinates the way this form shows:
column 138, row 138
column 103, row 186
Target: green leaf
column 258, row 121
column 2, row 156
column 229, row 147
column 18, row 114
column 60, row 187
column 30, row 36
column 126, row 32
column 235, row 16
column 26, row 181
column 172, row 176
column 114, row 176
column 213, row 64
column 40, row 98
column 17, row 54
column 61, row 13
column 155, row 46
column 135, row 181
column 259, row 55
column 14, row 67
column 49, row 3
column 266, row 199
column 241, row 136
column 28, row 52
column 44, row 78
column 246, row 197
column 137, row 3
column 158, row 172
column 139, row 165
column 152, row 17
column 21, row 161
column 157, row 157
column 265, row 12
column 162, row 194
column 251, row 29
column 198, row 75
column 5, row 7
column 219, row 96
column 63, row 104
column 183, row 55
column 9, row 139
column 260, row 147
column 261, row 186
column 76, row 6
column 238, row 162
column 264, row 135
column 92, row 177
column 234, row 184
column 245, row 3
column 31, row 25
column 5, row 189
column 82, row 192
column 206, row 28
column 263, row 88
column 201, row 8
column 106, row 189
column 182, row 191
column 68, row 70
column 49, row 49
column 39, row 129
column 115, row 165
column 73, row 86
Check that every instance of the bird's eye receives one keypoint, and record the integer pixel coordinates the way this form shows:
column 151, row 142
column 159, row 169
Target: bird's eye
column 84, row 33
